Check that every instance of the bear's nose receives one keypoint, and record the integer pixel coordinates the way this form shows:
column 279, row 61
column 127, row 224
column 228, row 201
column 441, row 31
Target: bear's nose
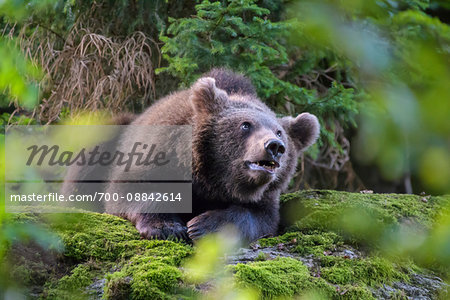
column 274, row 147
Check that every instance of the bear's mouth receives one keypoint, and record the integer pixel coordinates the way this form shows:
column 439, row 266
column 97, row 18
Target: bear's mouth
column 263, row 165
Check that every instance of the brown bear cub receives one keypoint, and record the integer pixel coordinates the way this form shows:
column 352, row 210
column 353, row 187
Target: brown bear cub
column 243, row 157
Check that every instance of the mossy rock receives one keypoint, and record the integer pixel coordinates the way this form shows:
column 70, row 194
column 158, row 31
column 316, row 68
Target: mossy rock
column 319, row 254
column 281, row 277
column 325, row 210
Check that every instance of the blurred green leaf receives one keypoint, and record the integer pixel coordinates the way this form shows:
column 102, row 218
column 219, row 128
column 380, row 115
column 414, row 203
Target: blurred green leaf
column 400, row 61
column 16, row 74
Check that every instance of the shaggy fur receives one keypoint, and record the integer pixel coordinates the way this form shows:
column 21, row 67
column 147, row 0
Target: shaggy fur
column 226, row 190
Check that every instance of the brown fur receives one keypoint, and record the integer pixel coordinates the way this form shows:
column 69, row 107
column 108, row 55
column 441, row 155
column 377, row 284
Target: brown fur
column 123, row 119
column 232, row 83
column 225, row 190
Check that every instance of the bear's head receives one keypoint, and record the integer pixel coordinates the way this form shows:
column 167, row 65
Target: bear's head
column 240, row 147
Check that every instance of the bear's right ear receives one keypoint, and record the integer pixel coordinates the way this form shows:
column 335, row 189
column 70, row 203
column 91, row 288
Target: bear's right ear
column 303, row 130
column 206, row 97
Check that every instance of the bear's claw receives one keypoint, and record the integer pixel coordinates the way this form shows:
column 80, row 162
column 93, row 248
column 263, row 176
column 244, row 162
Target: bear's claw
column 201, row 225
column 164, row 231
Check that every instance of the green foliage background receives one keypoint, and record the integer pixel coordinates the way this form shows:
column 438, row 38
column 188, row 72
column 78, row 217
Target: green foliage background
column 379, row 66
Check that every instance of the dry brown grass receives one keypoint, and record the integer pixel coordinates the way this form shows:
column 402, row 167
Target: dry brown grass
column 87, row 71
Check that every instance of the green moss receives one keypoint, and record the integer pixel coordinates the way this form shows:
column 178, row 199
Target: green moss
column 92, row 235
column 346, row 279
column 117, row 286
column 338, row 274
column 154, row 280
column 360, row 218
column 324, row 223
column 311, row 243
column 152, row 273
column 372, row 271
column 108, row 238
column 376, row 270
column 168, row 252
column 351, row 292
column 386, row 206
column 25, row 218
column 143, row 278
column 148, row 268
column 81, row 276
column 326, row 220
column 279, row 277
column 73, row 286
column 261, row 256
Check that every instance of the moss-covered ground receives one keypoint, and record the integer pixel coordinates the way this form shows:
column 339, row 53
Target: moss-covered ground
column 333, row 245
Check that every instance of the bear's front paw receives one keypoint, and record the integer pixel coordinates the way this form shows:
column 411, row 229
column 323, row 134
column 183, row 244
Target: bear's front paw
column 202, row 224
column 163, row 231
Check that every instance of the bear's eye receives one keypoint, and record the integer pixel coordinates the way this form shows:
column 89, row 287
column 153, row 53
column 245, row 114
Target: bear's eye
column 279, row 133
column 246, row 126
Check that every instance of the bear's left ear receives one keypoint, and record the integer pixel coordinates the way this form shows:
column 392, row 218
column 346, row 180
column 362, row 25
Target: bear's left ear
column 206, row 97
column 303, row 130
